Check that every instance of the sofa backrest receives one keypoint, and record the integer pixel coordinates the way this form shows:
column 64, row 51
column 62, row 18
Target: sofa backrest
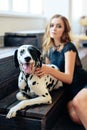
column 8, row 76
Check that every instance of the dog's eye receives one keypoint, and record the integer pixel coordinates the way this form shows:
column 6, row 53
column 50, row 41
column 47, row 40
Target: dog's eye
column 22, row 52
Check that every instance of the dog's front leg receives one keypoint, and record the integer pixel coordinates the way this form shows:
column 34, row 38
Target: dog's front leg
column 29, row 102
column 22, row 83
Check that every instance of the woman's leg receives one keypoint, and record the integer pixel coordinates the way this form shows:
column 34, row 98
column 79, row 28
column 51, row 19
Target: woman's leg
column 73, row 113
column 78, row 108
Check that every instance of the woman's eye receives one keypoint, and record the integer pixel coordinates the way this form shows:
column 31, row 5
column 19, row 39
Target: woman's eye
column 59, row 26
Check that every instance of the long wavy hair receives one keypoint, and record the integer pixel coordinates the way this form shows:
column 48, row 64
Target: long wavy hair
column 48, row 41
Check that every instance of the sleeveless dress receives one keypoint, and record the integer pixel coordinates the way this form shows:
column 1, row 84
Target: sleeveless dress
column 80, row 75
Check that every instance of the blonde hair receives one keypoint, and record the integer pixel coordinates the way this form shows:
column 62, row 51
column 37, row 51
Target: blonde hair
column 48, row 41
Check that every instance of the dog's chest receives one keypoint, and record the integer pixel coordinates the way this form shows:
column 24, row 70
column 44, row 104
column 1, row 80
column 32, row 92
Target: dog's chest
column 46, row 82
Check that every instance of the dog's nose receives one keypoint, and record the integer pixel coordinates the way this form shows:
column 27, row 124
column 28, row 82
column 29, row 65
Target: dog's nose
column 27, row 59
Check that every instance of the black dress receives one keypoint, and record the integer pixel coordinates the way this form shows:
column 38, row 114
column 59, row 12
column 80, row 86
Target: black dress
column 80, row 75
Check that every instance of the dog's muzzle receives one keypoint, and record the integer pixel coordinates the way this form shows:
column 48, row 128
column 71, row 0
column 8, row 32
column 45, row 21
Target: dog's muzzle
column 28, row 65
column 27, row 59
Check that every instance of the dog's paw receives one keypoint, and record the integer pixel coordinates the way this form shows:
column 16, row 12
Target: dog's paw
column 12, row 113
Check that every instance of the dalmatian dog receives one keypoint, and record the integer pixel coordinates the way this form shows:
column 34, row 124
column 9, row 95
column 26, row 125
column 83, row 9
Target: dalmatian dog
column 32, row 89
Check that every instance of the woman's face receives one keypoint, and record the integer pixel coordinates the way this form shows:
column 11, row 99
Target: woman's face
column 56, row 28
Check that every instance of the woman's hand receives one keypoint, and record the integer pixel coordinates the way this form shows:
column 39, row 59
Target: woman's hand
column 40, row 72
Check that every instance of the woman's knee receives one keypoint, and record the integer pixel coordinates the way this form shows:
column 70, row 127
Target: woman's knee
column 78, row 105
column 80, row 99
column 72, row 113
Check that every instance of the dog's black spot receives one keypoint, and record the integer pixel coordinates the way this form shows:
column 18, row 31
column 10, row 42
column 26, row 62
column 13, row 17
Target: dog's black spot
column 21, row 77
column 26, row 95
column 22, row 52
column 34, row 83
column 50, row 85
column 27, row 76
column 55, row 84
column 33, row 95
column 50, row 79
column 48, row 102
column 43, row 95
column 46, row 83
column 52, row 66
column 31, row 77
column 27, row 88
column 47, row 77
column 46, row 93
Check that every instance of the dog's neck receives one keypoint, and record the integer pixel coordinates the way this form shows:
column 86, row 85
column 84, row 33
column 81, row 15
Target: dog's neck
column 27, row 75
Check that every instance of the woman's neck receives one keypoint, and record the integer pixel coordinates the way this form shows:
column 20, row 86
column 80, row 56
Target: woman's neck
column 57, row 43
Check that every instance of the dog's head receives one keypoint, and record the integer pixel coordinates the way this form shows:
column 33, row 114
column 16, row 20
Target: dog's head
column 28, row 58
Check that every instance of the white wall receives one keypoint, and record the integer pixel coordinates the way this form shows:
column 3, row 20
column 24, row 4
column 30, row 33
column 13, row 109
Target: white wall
column 69, row 8
column 12, row 24
column 84, row 7
column 79, row 9
column 52, row 7
column 72, row 9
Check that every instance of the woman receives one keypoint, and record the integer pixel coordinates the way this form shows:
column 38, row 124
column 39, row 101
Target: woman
column 59, row 50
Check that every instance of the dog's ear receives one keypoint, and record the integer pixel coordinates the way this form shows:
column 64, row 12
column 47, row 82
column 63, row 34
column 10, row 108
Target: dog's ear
column 36, row 54
column 41, row 60
column 39, row 56
column 15, row 59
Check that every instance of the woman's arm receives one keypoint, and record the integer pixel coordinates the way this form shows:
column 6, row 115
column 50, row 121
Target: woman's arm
column 66, row 76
